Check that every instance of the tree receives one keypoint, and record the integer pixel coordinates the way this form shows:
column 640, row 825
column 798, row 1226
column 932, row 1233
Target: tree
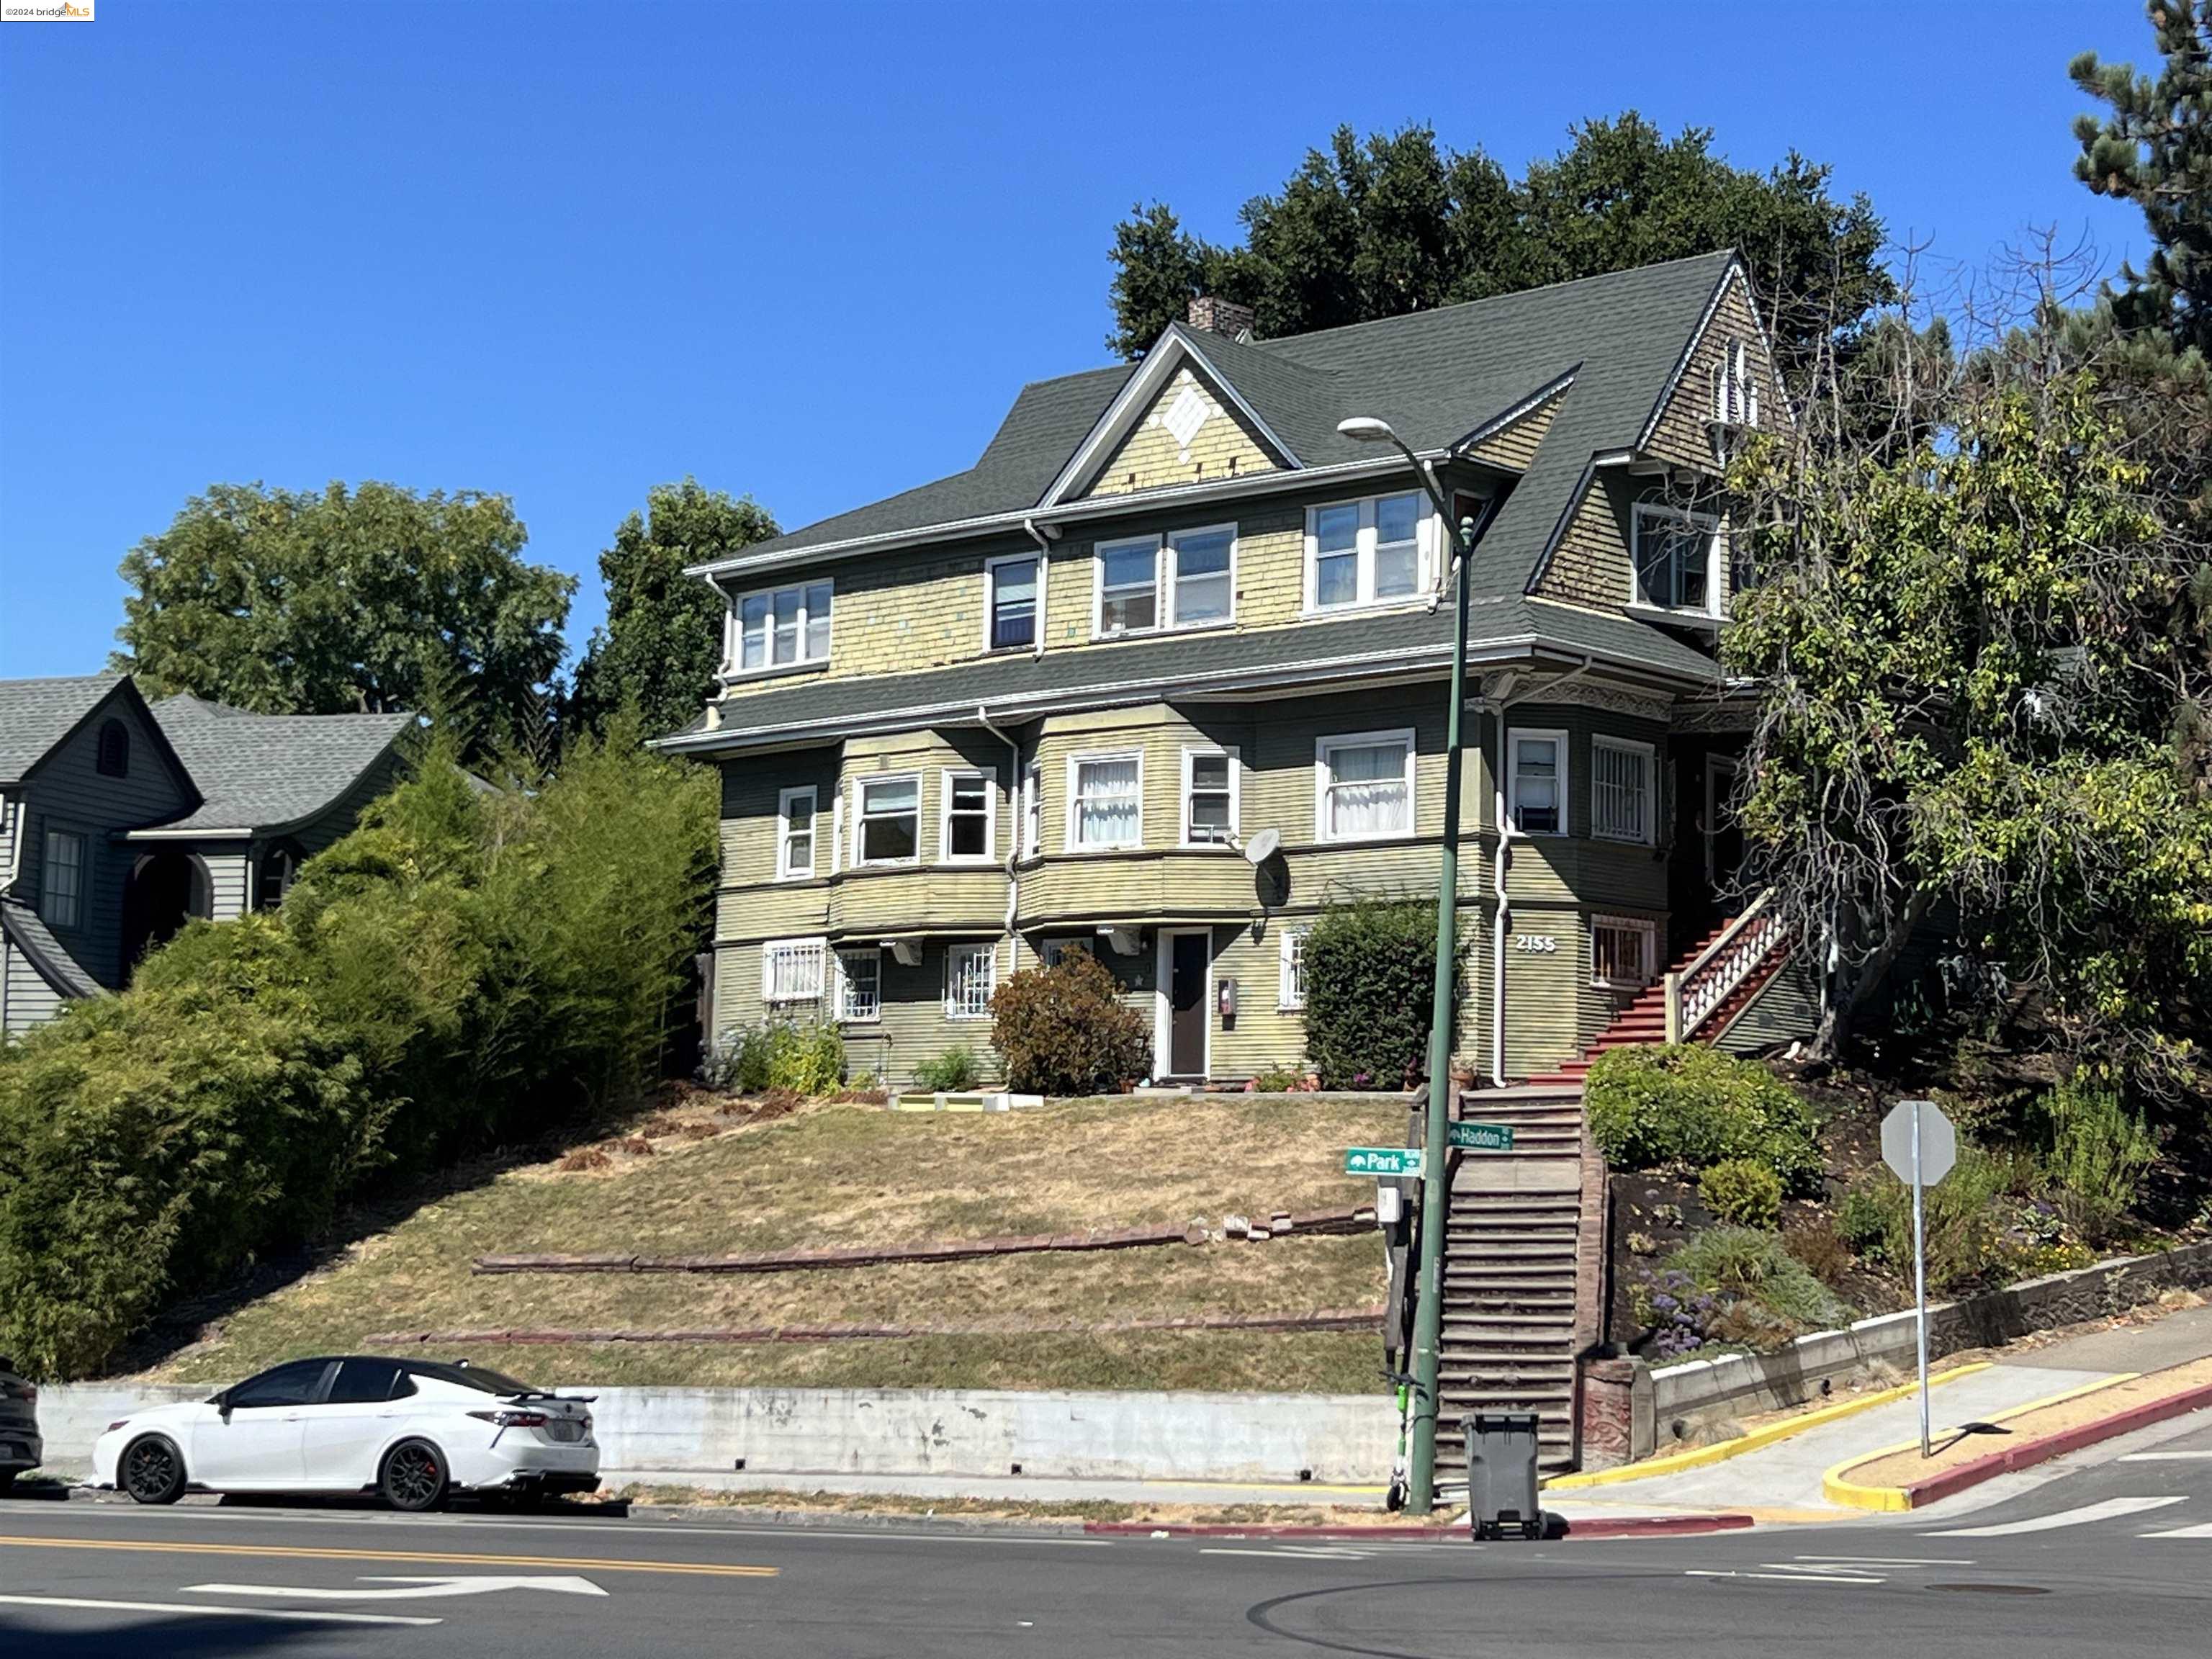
column 296, row 602
column 1397, row 224
column 662, row 643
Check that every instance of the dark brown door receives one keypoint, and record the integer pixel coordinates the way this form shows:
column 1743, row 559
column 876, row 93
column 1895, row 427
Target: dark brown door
column 1187, row 1005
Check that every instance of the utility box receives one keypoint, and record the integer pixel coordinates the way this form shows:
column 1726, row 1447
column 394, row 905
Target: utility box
column 1501, row 1474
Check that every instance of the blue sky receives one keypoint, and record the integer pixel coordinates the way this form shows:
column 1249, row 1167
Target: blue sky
column 806, row 250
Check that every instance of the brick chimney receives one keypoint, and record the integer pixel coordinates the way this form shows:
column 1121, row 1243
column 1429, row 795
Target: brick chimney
column 1221, row 317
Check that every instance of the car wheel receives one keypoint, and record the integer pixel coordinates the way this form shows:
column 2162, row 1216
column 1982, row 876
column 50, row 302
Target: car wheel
column 152, row 1470
column 7, row 1481
column 414, row 1476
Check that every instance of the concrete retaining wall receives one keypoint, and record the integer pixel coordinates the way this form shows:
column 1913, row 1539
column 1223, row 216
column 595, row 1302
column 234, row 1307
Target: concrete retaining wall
column 1117, row 1437
column 1706, row 1392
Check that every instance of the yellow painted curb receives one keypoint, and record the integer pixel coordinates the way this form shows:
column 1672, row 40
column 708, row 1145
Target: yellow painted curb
column 1699, row 1456
column 1838, row 1488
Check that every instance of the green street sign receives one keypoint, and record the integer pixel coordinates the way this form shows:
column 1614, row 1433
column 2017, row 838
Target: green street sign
column 1382, row 1160
column 1481, row 1137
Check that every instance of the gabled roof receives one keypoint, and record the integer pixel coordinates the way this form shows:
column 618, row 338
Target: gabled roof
column 257, row 772
column 1435, row 376
column 27, row 932
column 35, row 716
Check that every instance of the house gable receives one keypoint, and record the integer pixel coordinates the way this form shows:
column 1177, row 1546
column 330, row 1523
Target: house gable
column 1682, row 427
column 1190, row 435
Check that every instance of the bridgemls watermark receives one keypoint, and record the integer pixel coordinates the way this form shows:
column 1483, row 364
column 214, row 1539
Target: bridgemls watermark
column 45, row 11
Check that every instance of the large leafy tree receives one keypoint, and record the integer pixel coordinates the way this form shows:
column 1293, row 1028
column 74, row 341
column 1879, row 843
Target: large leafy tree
column 1396, row 223
column 663, row 639
column 373, row 597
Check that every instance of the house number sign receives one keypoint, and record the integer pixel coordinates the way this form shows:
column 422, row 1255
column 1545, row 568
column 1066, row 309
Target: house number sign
column 1540, row 942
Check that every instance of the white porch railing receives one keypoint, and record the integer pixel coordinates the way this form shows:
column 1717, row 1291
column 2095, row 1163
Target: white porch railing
column 1694, row 992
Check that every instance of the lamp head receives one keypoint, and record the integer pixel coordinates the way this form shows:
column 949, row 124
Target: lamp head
column 1366, row 429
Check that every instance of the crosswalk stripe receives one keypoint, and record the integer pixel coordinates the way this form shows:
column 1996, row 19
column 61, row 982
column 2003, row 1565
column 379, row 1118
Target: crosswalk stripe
column 2180, row 1532
column 2166, row 1457
column 2110, row 1509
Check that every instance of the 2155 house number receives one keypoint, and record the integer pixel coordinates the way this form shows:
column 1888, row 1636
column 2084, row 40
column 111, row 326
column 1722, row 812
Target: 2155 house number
column 1537, row 942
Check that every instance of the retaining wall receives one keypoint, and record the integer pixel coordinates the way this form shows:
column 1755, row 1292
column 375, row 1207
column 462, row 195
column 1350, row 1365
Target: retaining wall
column 1113, row 1437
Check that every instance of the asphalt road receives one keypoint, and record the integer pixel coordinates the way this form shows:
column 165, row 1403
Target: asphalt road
column 2115, row 1558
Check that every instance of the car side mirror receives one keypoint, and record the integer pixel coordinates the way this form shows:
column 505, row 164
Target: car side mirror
column 222, row 1403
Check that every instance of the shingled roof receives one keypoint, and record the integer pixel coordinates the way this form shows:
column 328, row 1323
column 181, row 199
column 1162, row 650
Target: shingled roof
column 1435, row 376
column 36, row 715
column 269, row 771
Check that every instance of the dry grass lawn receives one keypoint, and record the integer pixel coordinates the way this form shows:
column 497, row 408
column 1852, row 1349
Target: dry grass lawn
column 851, row 1174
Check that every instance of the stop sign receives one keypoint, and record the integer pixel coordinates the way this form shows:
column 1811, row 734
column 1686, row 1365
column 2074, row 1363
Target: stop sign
column 1939, row 1142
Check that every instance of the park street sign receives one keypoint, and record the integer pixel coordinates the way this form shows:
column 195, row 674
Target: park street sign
column 1384, row 1160
column 1481, row 1137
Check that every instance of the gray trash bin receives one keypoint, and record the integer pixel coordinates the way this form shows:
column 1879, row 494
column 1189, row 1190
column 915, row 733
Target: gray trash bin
column 1501, row 1474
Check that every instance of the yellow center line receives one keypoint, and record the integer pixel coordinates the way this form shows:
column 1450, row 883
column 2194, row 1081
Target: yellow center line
column 300, row 1552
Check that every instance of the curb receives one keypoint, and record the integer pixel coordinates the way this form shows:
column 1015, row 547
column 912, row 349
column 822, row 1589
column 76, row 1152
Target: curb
column 1915, row 1494
column 1699, row 1456
column 1592, row 1530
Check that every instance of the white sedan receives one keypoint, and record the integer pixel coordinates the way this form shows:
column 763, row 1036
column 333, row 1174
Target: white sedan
column 412, row 1431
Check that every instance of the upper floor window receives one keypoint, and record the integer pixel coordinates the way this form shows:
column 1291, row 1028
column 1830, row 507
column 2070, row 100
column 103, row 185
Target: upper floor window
column 1677, row 558
column 114, row 760
column 1621, row 790
column 782, row 627
column 1185, row 579
column 887, row 828
column 1105, row 800
column 1010, row 603
column 1367, row 552
column 794, row 813
column 1364, row 786
column 61, row 885
column 1538, row 794
column 964, row 836
column 1209, row 796
column 1032, row 810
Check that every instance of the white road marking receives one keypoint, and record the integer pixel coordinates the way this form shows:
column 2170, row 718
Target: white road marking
column 2111, row 1509
column 1889, row 1560
column 1789, row 1577
column 415, row 1589
column 2180, row 1532
column 301, row 1617
column 1287, row 1554
column 2164, row 1457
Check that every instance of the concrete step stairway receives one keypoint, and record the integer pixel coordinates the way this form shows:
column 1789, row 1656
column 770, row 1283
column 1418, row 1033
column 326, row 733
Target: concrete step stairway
column 1510, row 1255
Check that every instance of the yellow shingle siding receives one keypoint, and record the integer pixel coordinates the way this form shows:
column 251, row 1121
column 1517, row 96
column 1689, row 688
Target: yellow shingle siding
column 1591, row 566
column 1681, row 435
column 1516, row 447
column 1152, row 457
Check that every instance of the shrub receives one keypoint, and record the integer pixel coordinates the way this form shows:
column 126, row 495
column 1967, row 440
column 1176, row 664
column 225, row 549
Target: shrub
column 2094, row 1154
column 1370, row 982
column 1282, row 1081
column 1064, row 1030
column 1966, row 1215
column 804, row 1057
column 1766, row 1295
column 1740, row 1191
column 952, row 1072
column 1669, row 1305
column 1688, row 1106
column 1819, row 1245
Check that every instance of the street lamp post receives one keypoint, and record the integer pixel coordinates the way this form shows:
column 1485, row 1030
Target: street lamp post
column 1428, row 1306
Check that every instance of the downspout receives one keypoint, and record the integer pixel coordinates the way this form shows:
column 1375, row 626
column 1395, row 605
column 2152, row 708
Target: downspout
column 1014, row 799
column 1502, row 916
column 1043, row 538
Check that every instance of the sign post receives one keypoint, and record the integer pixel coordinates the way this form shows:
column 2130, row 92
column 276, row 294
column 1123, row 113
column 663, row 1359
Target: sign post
column 1918, row 1143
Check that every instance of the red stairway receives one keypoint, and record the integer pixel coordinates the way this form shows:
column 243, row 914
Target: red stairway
column 1644, row 1020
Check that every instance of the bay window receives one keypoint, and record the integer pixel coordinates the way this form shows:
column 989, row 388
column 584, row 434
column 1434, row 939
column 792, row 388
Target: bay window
column 887, row 826
column 1537, row 797
column 1364, row 786
column 794, row 813
column 1621, row 790
column 1209, row 796
column 1105, row 800
column 969, row 814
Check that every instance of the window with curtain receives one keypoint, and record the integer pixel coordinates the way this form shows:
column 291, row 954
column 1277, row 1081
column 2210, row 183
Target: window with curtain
column 1365, row 787
column 1105, row 801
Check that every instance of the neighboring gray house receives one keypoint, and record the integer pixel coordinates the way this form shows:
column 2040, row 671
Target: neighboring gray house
column 120, row 821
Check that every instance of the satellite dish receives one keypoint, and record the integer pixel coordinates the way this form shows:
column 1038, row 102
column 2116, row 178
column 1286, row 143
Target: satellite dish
column 1263, row 847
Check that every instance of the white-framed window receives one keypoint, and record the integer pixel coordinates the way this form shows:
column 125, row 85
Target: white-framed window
column 1012, row 591
column 1105, row 800
column 1291, row 985
column 1128, row 586
column 1622, row 807
column 1364, row 786
column 969, row 819
column 61, row 883
column 1210, row 797
column 1538, row 797
column 1367, row 552
column 971, row 973
column 794, row 833
column 778, row 628
column 1032, row 810
column 861, row 985
column 1736, row 386
column 1201, row 575
column 887, row 819
column 1678, row 559
column 792, row 971
column 1622, row 949
column 1055, row 949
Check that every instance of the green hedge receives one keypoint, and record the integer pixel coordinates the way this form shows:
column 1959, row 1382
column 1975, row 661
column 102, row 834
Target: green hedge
column 1370, row 968
column 1684, row 1106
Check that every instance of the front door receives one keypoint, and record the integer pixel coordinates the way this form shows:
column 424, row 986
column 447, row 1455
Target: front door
column 1189, row 963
